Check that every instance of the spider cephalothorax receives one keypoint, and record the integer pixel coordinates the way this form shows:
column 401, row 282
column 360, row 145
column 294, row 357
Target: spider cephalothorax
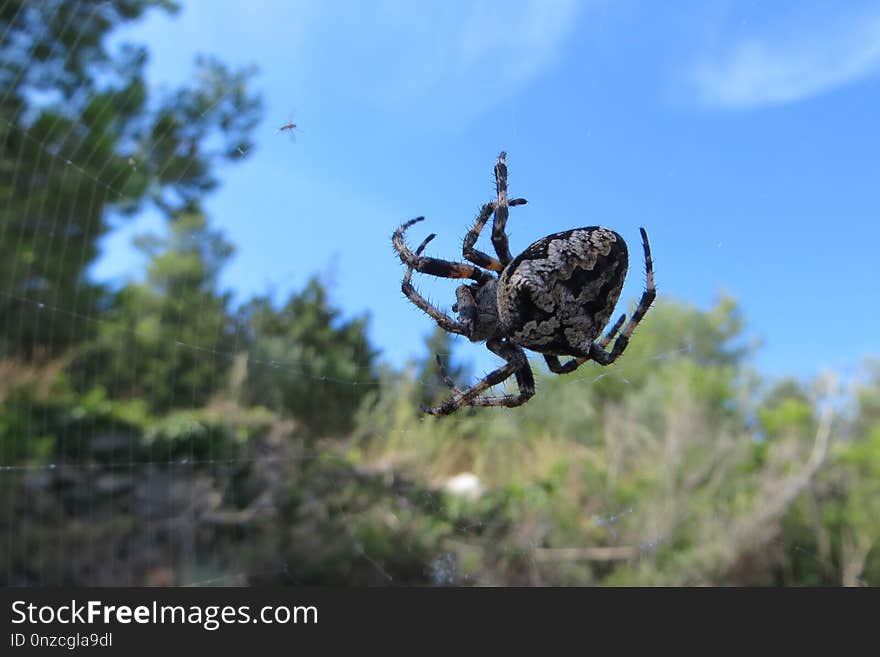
column 554, row 298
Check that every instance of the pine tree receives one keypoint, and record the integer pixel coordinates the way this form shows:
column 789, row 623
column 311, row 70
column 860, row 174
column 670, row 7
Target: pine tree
column 81, row 139
column 306, row 361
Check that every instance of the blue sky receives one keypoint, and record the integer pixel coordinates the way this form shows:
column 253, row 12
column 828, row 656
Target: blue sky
column 745, row 137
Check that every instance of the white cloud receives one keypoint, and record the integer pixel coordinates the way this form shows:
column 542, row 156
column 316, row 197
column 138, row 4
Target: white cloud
column 452, row 59
column 516, row 41
column 440, row 61
column 788, row 65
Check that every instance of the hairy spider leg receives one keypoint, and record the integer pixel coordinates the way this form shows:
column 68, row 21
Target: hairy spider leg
column 558, row 368
column 436, row 267
column 525, row 380
column 597, row 351
column 499, row 236
column 443, row 321
column 517, row 365
column 433, row 266
column 499, row 225
column 480, row 258
column 445, row 375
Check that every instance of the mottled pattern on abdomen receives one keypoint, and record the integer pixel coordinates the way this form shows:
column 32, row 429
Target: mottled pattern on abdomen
column 555, row 297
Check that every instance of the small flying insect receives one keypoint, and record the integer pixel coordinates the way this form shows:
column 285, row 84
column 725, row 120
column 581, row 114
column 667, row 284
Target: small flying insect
column 289, row 128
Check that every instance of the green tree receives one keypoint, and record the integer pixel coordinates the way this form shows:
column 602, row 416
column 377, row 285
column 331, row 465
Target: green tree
column 168, row 340
column 786, row 407
column 81, row 139
column 851, row 497
column 305, row 361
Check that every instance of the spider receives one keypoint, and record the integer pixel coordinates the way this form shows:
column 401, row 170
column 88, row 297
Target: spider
column 554, row 298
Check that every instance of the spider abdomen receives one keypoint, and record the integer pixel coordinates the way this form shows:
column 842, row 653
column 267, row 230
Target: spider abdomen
column 557, row 295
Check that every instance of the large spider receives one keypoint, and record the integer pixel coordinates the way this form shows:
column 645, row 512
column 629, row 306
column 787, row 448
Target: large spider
column 554, row 298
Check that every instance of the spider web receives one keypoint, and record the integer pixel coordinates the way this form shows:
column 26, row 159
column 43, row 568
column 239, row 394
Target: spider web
column 136, row 516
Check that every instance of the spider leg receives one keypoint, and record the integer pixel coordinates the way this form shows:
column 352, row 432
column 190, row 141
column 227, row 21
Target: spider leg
column 597, row 350
column 525, row 380
column 558, row 368
column 433, row 266
column 517, row 365
column 480, row 258
column 445, row 375
column 499, row 225
column 443, row 321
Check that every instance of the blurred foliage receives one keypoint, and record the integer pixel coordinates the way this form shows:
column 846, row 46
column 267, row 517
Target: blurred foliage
column 167, row 340
column 305, row 361
column 154, row 434
column 683, row 476
column 432, row 388
column 82, row 138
